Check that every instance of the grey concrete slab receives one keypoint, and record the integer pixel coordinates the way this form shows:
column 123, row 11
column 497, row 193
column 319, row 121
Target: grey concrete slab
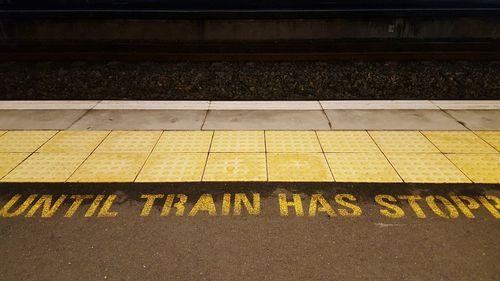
column 467, row 104
column 377, row 104
column 47, row 104
column 266, row 120
column 392, row 120
column 478, row 119
column 141, row 120
column 38, row 119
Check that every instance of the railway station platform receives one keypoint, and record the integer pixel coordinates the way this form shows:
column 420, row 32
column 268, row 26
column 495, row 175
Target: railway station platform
column 216, row 190
column 217, row 141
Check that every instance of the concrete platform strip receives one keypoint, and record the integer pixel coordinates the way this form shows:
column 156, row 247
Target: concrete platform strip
column 253, row 156
column 249, row 105
column 250, row 115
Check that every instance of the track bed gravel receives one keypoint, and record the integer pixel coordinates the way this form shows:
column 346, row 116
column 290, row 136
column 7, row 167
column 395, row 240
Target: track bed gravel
column 250, row 80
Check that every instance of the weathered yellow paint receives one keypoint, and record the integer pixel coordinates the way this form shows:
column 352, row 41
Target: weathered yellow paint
column 324, row 206
column 252, row 209
column 394, row 210
column 94, row 205
column 452, row 211
column 448, row 207
column 296, row 204
column 150, row 200
column 204, row 203
column 412, row 201
column 179, row 205
column 345, row 201
column 5, row 211
column 78, row 200
column 493, row 209
column 105, row 212
column 466, row 209
column 48, row 209
column 226, row 204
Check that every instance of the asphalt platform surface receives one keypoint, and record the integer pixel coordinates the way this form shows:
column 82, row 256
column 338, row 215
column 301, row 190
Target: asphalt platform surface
column 352, row 232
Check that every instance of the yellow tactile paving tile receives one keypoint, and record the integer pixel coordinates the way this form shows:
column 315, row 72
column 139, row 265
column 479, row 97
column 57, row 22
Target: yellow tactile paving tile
column 458, row 142
column 74, row 141
column 480, row 168
column 361, row 167
column 491, row 137
column 184, row 141
column 9, row 161
column 426, row 168
column 238, row 141
column 346, row 141
column 46, row 167
column 236, row 167
column 402, row 141
column 24, row 141
column 298, row 167
column 173, row 167
column 292, row 141
column 129, row 141
column 2, row 132
column 110, row 167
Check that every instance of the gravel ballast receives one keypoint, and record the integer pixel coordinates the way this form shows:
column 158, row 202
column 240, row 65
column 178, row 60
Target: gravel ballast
column 250, row 80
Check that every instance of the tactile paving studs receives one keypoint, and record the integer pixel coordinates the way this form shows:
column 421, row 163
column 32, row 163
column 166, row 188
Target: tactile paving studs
column 426, row 168
column 74, row 141
column 129, row 141
column 24, row 141
column 480, row 168
column 491, row 137
column 184, row 141
column 10, row 160
column 238, row 141
column 46, row 167
column 292, row 141
column 173, row 167
column 402, row 141
column 236, row 167
column 458, row 142
column 110, row 167
column 298, row 167
column 361, row 167
column 346, row 141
